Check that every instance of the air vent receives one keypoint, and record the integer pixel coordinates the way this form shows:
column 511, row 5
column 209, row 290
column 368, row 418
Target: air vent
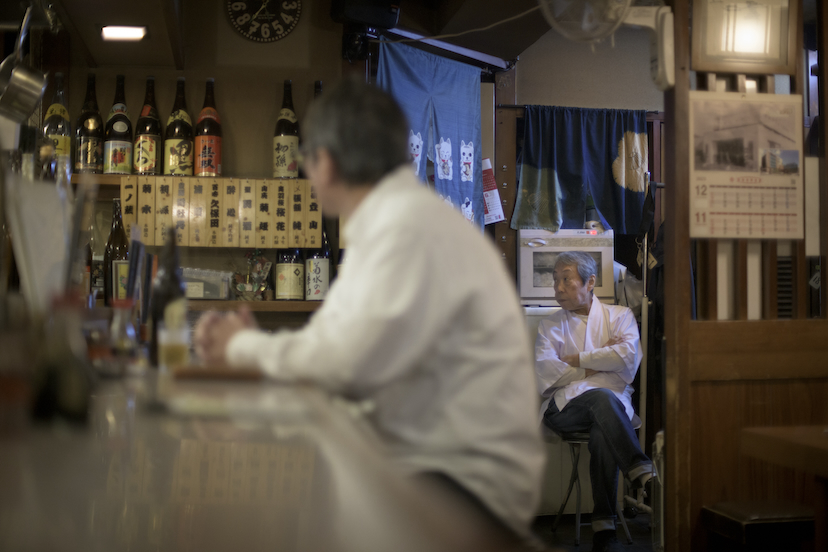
column 784, row 287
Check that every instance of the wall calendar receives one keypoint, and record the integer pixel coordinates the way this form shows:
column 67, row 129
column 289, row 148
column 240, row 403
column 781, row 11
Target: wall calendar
column 746, row 166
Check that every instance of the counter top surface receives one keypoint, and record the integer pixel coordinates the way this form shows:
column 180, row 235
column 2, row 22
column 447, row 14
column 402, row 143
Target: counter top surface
column 165, row 464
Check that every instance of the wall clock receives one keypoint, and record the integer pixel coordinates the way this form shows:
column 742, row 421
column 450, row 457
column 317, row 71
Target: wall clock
column 264, row 20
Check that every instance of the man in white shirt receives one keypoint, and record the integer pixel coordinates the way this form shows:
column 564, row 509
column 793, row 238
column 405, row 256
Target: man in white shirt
column 423, row 318
column 586, row 357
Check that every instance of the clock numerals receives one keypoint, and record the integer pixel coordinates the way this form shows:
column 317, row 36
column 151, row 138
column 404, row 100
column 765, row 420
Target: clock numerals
column 256, row 21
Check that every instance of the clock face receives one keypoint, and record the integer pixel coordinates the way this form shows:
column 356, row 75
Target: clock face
column 264, row 20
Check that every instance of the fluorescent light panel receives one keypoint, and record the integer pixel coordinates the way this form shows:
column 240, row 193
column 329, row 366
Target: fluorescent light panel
column 114, row 32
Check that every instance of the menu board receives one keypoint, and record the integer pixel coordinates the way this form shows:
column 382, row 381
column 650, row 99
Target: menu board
column 247, row 214
column 181, row 210
column 230, row 213
column 312, row 216
column 280, row 215
column 129, row 202
column 214, row 237
column 746, row 169
column 164, row 188
column 146, row 209
column 198, row 212
column 264, row 230
column 296, row 200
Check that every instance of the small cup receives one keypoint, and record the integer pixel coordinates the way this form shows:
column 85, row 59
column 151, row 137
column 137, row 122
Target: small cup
column 173, row 346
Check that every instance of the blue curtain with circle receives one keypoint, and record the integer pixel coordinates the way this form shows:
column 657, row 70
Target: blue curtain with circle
column 441, row 99
column 570, row 154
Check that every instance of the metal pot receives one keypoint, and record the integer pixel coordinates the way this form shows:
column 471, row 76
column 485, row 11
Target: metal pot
column 21, row 87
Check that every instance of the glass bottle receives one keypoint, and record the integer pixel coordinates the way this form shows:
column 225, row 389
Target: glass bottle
column 168, row 303
column 116, row 257
column 118, row 134
column 123, row 339
column 290, row 275
column 318, row 271
column 56, row 126
column 208, row 136
column 96, row 277
column 147, row 147
column 89, row 133
column 178, row 138
column 286, row 139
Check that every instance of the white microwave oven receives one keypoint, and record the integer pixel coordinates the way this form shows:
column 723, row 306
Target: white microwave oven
column 538, row 250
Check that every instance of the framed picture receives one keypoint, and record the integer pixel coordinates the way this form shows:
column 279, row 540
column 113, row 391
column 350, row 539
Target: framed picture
column 753, row 37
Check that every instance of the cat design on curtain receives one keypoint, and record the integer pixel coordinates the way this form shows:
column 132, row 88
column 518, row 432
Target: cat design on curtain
column 466, row 161
column 415, row 149
column 443, row 167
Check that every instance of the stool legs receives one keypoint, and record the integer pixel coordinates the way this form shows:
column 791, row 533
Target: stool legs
column 574, row 481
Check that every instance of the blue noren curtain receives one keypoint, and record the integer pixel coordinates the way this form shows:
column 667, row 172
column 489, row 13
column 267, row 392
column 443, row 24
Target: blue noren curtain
column 441, row 99
column 572, row 153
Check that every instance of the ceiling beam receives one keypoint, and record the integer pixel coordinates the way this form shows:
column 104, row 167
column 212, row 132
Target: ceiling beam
column 175, row 31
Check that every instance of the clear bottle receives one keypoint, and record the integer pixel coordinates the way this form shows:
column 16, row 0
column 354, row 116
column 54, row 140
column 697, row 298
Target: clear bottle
column 178, row 138
column 318, row 271
column 290, row 275
column 286, row 138
column 89, row 133
column 123, row 338
column 118, row 134
column 147, row 147
column 57, row 128
column 208, row 136
column 168, row 303
column 116, row 257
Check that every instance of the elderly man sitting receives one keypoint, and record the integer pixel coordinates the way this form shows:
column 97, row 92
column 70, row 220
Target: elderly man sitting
column 586, row 356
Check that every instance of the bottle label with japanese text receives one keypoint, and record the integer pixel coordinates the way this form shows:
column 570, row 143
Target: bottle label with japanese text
column 285, row 153
column 287, row 114
column 290, row 282
column 145, row 155
column 89, row 155
column 317, row 276
column 117, row 157
column 63, row 144
column 178, row 156
column 208, row 156
column 179, row 114
column 57, row 109
column 208, row 113
column 117, row 108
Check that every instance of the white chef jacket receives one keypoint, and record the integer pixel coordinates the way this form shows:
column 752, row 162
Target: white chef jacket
column 424, row 320
column 616, row 364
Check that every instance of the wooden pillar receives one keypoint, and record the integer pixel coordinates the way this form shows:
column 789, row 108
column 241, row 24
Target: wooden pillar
column 505, row 165
column 677, row 484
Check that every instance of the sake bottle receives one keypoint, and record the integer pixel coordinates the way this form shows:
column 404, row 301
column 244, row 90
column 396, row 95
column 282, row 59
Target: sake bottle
column 178, row 138
column 56, row 126
column 168, row 303
column 208, row 136
column 147, row 148
column 318, row 271
column 286, row 138
column 290, row 275
column 118, row 135
column 89, row 133
column 116, row 257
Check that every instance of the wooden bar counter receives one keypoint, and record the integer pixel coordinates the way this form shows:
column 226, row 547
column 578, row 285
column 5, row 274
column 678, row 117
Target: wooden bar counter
column 178, row 465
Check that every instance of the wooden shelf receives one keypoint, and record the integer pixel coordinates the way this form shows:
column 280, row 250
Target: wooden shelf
column 101, row 179
column 255, row 306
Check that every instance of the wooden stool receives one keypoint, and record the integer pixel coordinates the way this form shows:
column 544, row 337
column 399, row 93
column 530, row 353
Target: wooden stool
column 758, row 525
column 575, row 440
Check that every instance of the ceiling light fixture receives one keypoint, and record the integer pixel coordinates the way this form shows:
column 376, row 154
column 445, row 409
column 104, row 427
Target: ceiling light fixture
column 112, row 32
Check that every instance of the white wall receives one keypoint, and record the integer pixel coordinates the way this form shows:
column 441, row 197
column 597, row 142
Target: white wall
column 557, row 71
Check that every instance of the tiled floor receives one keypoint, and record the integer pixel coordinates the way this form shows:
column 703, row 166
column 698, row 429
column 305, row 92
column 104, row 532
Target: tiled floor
column 563, row 540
